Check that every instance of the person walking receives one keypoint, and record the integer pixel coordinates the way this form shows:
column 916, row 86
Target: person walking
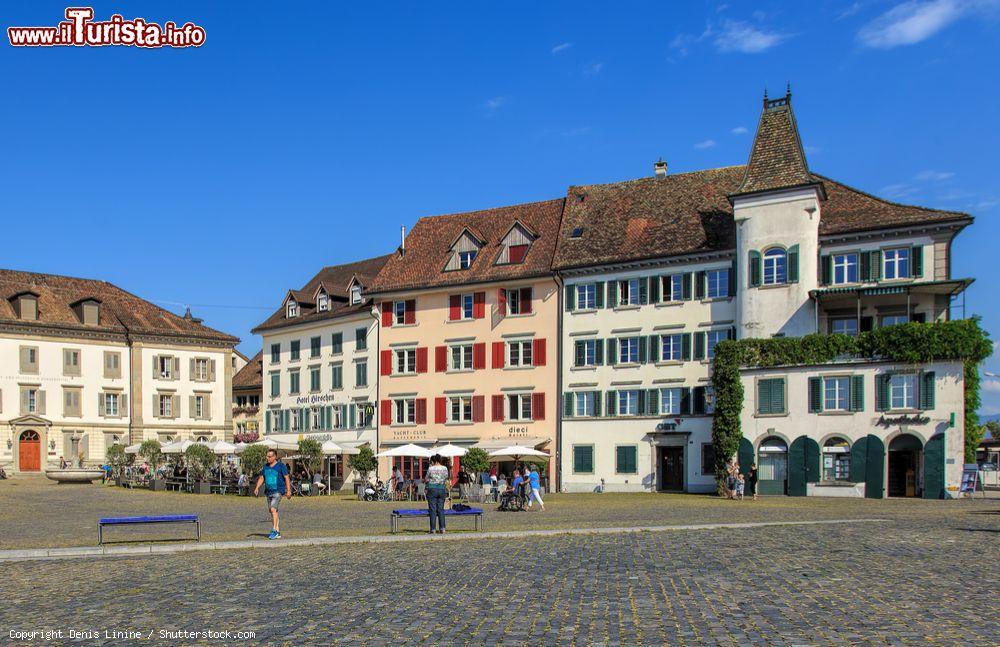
column 752, row 481
column 463, row 484
column 274, row 478
column 732, row 469
column 534, row 488
column 437, row 492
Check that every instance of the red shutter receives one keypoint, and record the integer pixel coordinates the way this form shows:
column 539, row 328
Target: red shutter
column 385, row 363
column 479, row 305
column 422, row 359
column 440, row 410
column 538, row 352
column 526, row 301
column 387, row 314
column 386, row 412
column 538, row 406
column 502, row 302
column 498, row 354
column 454, row 307
column 516, row 253
column 440, row 359
column 478, row 408
column 410, row 311
column 497, row 408
column 479, row 355
column 421, row 411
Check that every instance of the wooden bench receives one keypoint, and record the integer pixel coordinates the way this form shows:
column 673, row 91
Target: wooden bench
column 130, row 521
column 423, row 513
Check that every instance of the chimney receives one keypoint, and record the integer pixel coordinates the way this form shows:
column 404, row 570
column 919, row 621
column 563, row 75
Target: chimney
column 187, row 312
column 402, row 240
column 660, row 168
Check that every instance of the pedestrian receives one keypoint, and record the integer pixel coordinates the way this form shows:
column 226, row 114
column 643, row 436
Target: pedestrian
column 396, row 482
column 274, row 478
column 752, row 481
column 493, row 475
column 739, row 487
column 437, row 492
column 732, row 469
column 535, row 488
column 463, row 484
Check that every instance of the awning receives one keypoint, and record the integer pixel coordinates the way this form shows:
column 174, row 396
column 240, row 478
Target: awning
column 500, row 443
column 949, row 288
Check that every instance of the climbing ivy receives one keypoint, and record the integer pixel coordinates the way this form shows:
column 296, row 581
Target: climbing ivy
column 911, row 343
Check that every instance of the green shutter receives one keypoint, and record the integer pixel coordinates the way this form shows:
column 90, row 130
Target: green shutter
column 927, row 390
column 857, row 393
column 267, row 421
column 864, row 275
column 568, row 405
column 793, row 264
column 641, row 408
column 699, row 285
column 686, row 347
column 876, row 265
column 698, row 401
column 778, row 396
column 753, row 271
column 612, row 351
column 917, row 261
column 699, row 345
column 597, row 403
column 643, row 348
column 654, row 289
column 815, row 394
column 599, row 294
column 612, row 402
column 686, row 286
column 653, row 402
column 351, row 415
column 732, row 279
column 763, row 396
column 882, row 392
column 583, row 459
column 570, row 297
column 654, row 348
column 599, row 352
column 826, row 270
column 579, row 353
column 612, row 294
column 686, row 401
column 643, row 290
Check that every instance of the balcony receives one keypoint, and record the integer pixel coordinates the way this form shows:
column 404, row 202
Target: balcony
column 245, row 410
column 859, row 308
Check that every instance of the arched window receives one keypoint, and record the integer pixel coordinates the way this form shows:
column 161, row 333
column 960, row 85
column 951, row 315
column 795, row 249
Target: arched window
column 836, row 460
column 775, row 266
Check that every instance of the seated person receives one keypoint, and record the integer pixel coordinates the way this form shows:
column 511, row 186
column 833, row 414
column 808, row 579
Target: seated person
column 318, row 482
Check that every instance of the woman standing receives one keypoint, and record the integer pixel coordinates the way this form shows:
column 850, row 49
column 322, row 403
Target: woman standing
column 752, row 481
column 437, row 492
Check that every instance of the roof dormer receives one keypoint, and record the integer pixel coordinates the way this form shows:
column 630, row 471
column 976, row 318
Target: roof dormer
column 355, row 292
column 291, row 307
column 464, row 250
column 88, row 311
column 25, row 305
column 515, row 244
column 322, row 300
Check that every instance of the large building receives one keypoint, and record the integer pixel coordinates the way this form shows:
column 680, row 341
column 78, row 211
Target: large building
column 319, row 362
column 469, row 313
column 248, row 387
column 658, row 270
column 85, row 364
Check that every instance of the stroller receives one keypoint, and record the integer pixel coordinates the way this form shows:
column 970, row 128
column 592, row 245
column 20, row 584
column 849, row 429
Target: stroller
column 513, row 500
column 378, row 492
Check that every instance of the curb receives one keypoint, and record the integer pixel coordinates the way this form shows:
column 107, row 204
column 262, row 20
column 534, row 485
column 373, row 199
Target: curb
column 77, row 552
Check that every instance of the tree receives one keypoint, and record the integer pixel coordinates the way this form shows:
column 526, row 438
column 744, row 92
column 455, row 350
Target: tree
column 252, row 459
column 476, row 460
column 364, row 462
column 200, row 460
column 312, row 455
column 150, row 451
column 117, row 459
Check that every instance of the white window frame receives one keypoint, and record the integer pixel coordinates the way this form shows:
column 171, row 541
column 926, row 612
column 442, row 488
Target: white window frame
column 717, row 283
column 292, row 310
column 404, row 411
column 903, row 385
column 670, row 401
column 844, row 263
column 460, row 357
column 323, row 303
column 165, row 366
column 625, row 348
column 672, row 288
column 111, row 405
column 404, row 361
column 899, row 260
column 675, row 345
column 467, row 258
column 165, row 405
column 850, row 322
column 200, row 369
column 837, row 393
column 520, row 353
column 467, row 305
column 399, row 313
column 775, row 262
column 460, row 408
column 713, row 337
column 589, row 352
column 199, row 407
column 355, row 295
column 628, row 402
column 520, row 405
column 586, row 296
column 892, row 320
column 628, row 292
column 584, row 404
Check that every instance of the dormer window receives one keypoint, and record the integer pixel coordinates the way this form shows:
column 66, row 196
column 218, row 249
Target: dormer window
column 464, row 251
column 355, row 295
column 515, row 245
column 516, row 254
column 292, row 310
column 465, row 259
column 88, row 311
column 26, row 305
column 322, row 303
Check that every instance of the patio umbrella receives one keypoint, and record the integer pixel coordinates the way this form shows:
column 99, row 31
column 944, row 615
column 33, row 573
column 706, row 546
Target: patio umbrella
column 267, row 442
column 407, row 450
column 516, row 453
column 449, row 451
column 132, row 449
column 239, row 447
column 330, row 447
column 221, row 447
column 176, row 447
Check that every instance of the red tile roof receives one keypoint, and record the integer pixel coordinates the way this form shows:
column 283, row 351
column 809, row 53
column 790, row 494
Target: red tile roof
column 776, row 158
column 251, row 376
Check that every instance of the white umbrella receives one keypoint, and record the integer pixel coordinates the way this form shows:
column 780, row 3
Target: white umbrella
column 516, row 453
column 267, row 442
column 132, row 449
column 239, row 447
column 330, row 447
column 449, row 451
column 221, row 447
column 407, row 450
column 176, row 447
column 270, row 443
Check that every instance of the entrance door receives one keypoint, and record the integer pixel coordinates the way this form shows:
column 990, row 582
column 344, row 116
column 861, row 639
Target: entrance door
column 30, row 452
column 772, row 466
column 672, row 468
column 904, row 465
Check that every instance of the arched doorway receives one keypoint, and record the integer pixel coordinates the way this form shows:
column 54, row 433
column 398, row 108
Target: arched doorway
column 29, row 448
column 905, row 462
column 772, row 466
column 836, row 460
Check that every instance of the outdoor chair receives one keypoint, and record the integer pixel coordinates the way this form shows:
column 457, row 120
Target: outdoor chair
column 421, row 492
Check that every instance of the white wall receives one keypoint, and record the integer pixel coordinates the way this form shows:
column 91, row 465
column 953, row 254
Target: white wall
column 186, row 425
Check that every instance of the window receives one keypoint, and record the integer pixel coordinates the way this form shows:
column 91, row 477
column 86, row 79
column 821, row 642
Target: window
column 775, row 266
column 670, row 401
column 892, row 320
column 626, row 459
column 713, row 337
column 460, row 408
column 514, row 302
column 628, row 350
column 323, row 303
column 337, row 376
column 355, row 295
column 585, row 352
column 314, row 379
column 314, row 345
column 166, row 406
column 465, row 259
column 628, row 292
column 708, row 459
column 903, row 391
column 361, row 339
column 112, row 364
column 896, row 263
column 405, row 411
column 292, row 310
column 200, row 369
column 516, row 253
column 586, row 297
column 293, row 382
column 165, row 366
column 771, row 396
column 519, row 406
column 399, row 312
column 845, row 268
column 709, row 399
column 199, row 407
column 467, row 309
column 628, row 403
column 406, row 361
column 337, row 343
column 846, row 326
column 461, row 357
column 361, row 374
column 32, row 398
column 314, row 418
column 365, row 415
column 71, row 402
column 275, row 384
column 583, row 404
column 275, row 353
column 717, row 283
column 673, row 287
column 583, row 459
column 836, row 393
column 519, row 353
column 294, row 350
column 71, row 362
column 836, row 460
column 671, row 348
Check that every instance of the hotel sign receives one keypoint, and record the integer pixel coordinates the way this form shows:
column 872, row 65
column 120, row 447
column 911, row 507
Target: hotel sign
column 902, row 420
column 315, row 399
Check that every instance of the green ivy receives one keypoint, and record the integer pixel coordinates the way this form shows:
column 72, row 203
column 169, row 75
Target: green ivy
column 912, row 343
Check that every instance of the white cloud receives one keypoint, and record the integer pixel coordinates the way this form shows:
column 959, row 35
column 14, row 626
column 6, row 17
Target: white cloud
column 494, row 104
column 593, row 68
column 850, row 11
column 933, row 176
column 708, row 143
column 561, row 47
column 682, row 42
column 739, row 130
column 745, row 38
column 897, row 191
column 993, row 386
column 911, row 22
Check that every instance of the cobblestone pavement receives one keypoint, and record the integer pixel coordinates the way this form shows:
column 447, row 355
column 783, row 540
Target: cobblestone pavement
column 926, row 579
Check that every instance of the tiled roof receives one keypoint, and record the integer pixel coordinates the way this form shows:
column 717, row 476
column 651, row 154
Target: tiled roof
column 120, row 311
column 250, row 376
column 336, row 279
column 776, row 157
column 428, row 248
column 690, row 213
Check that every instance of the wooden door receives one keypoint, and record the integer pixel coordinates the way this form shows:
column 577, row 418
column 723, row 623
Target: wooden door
column 672, row 468
column 30, row 452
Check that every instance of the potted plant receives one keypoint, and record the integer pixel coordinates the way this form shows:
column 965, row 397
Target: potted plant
column 311, row 453
column 149, row 450
column 364, row 463
column 117, row 459
column 200, row 460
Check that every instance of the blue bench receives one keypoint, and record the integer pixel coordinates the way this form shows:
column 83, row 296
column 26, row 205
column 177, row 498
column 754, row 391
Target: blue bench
column 131, row 521
column 423, row 513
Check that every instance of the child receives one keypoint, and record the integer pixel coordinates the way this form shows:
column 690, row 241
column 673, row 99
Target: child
column 739, row 487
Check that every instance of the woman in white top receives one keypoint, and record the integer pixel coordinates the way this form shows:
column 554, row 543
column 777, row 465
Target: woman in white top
column 437, row 492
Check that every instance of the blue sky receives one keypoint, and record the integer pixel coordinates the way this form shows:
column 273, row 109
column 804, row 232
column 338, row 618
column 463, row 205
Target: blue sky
column 305, row 134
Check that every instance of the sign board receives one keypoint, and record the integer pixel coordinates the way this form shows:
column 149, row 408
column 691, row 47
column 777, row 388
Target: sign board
column 970, row 479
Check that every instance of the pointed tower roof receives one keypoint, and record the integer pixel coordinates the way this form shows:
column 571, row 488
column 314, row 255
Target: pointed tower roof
column 777, row 160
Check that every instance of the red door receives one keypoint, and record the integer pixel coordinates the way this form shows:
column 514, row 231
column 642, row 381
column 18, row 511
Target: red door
column 30, row 452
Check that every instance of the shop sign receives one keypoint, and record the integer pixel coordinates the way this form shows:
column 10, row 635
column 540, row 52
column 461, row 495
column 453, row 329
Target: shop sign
column 669, row 425
column 409, row 434
column 902, row 420
column 517, row 432
column 315, row 399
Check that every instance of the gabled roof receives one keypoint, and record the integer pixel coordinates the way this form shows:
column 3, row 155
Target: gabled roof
column 120, row 311
column 430, row 242
column 251, row 375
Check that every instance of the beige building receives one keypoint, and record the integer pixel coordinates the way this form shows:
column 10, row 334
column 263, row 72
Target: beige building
column 85, row 364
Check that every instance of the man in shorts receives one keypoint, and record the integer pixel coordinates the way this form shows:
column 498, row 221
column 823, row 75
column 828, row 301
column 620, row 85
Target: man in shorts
column 274, row 478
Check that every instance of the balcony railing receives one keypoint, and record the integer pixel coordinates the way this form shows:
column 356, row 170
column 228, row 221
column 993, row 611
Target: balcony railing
column 246, row 410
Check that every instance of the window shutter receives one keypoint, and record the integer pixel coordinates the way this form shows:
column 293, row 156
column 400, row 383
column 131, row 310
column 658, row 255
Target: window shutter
column 410, row 311
column 191, row 408
column 815, row 395
column 778, row 396
column 599, row 352
column 881, row 392
column 538, row 352
column 478, row 408
column 567, row 405
column 207, row 411
column 612, row 402
column 267, row 421
column 643, row 290
column 876, row 265
column 653, row 402
column 538, row 406
column 526, row 305
column 612, row 345
column 478, row 305
column 654, row 348
column 211, row 370
column 699, row 285
column 764, row 396
column 927, row 390
column 175, row 408
column 597, row 403
column 753, row 269
column 191, row 370
column 177, row 368
column 570, row 298
column 578, row 353
column 386, row 412
column 498, row 354
column 857, row 393
column 732, row 279
column 440, row 359
column 686, row 286
column 156, row 406
column 479, row 356
column 156, row 366
column 917, row 261
column 421, row 359
column 654, row 289
column 641, row 408
column 385, row 363
column 686, row 400
column 421, row 417
column 864, row 267
column 699, row 400
column 454, row 307
column 352, row 416
column 286, row 416
column 502, row 302
column 643, row 349
column 497, row 408
column 440, row 410
column 100, row 404
column 699, row 345
column 793, row 264
column 612, row 294
column 826, row 270
column 686, row 347
column 867, row 324
column 322, row 418
column 599, row 294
